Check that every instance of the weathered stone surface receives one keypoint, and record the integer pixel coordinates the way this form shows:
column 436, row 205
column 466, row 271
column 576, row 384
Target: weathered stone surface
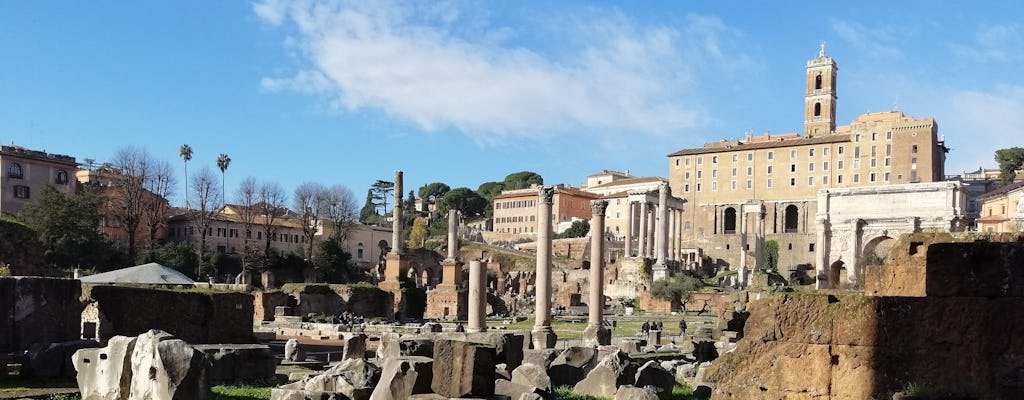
column 395, row 346
column 704, row 350
column 509, row 345
column 532, row 375
column 463, row 369
column 431, row 327
column 402, row 377
column 354, row 378
column 105, row 373
column 653, row 375
column 571, row 365
column 293, row 351
column 629, row 345
column 541, row 357
column 628, row 392
column 198, row 318
column 355, row 346
column 518, row 391
column 239, row 363
column 175, row 369
column 265, row 304
column 603, row 379
column 596, row 335
column 38, row 310
column 51, row 360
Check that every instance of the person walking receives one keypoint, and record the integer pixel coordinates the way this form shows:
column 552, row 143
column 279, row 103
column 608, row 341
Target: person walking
column 682, row 327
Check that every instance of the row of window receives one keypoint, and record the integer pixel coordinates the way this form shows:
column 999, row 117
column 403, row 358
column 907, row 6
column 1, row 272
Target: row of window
column 793, row 154
column 15, row 171
column 516, row 204
column 510, row 220
column 872, row 177
column 233, row 233
column 810, row 167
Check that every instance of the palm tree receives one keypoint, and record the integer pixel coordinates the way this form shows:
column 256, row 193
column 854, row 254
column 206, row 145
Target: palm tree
column 186, row 154
column 222, row 162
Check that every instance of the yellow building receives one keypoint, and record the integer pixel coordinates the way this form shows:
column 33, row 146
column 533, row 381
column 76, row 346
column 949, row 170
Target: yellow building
column 1002, row 210
column 26, row 172
column 787, row 171
column 515, row 211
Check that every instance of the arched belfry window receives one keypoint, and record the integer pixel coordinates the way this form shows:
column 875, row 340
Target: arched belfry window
column 792, row 218
column 14, row 171
column 730, row 220
column 817, row 109
column 817, row 82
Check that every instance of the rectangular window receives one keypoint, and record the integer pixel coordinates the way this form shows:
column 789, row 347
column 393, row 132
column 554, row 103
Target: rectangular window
column 750, row 184
column 873, row 151
column 750, row 171
column 913, row 160
column 21, row 192
column 824, row 166
column 856, row 151
column 714, row 159
column 734, row 172
column 771, row 155
column 888, row 135
column 750, row 156
column 714, row 186
column 856, row 164
column 792, row 167
column 824, row 180
column 874, row 162
column 839, row 164
column 839, row 179
column 714, row 173
column 872, row 177
column 810, row 247
column 769, row 169
column 769, row 182
column 913, row 176
column 840, row 150
column 686, row 175
column 700, row 160
column 810, row 181
column 686, row 161
column 888, row 150
column 733, row 185
column 698, row 187
column 888, row 161
column 810, row 166
column 792, row 181
column 856, row 178
column 792, row 154
column 886, row 176
column 700, row 174
column 810, row 152
column 824, row 151
column 735, row 157
column 913, row 149
column 686, row 188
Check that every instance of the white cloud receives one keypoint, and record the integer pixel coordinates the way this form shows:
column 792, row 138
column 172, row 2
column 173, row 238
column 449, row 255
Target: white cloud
column 442, row 65
column 875, row 42
column 999, row 42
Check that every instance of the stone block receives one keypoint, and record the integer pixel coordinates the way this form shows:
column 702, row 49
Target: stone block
column 354, row 346
column 293, row 351
column 402, row 377
column 167, row 368
column 597, row 336
column 532, row 375
column 628, row 392
column 541, row 357
column 652, row 375
column 354, row 378
column 105, row 373
column 603, row 379
column 463, row 369
column 38, row 310
column 518, row 391
column 509, row 345
column 239, row 363
column 51, row 360
column 571, row 366
column 398, row 346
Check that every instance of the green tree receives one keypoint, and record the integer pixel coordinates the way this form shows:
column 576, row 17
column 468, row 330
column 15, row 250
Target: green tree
column 433, row 191
column 179, row 256
column 185, row 151
column 522, row 180
column 333, row 264
column 368, row 214
column 1010, row 160
column 67, row 227
column 676, row 290
column 463, row 199
column 381, row 191
column 490, row 190
column 223, row 161
column 771, row 256
column 579, row 228
column 418, row 234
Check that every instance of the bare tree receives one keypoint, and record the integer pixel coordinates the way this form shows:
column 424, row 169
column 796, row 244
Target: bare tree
column 340, row 210
column 204, row 192
column 133, row 167
column 247, row 196
column 159, row 186
column 308, row 199
column 270, row 207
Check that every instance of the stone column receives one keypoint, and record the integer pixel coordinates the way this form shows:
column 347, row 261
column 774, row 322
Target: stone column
column 397, row 247
column 759, row 240
column 673, row 220
column 628, row 245
column 742, row 272
column 651, row 225
column 821, row 252
column 855, row 248
column 641, row 248
column 477, row 296
column 596, row 333
column 660, row 270
column 453, row 237
column 543, row 336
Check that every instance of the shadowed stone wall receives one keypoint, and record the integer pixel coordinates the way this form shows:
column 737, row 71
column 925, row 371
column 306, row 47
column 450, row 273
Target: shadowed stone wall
column 38, row 310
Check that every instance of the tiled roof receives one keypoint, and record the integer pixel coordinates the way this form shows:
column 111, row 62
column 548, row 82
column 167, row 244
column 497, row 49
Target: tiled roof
column 1002, row 190
column 631, row 181
column 765, row 145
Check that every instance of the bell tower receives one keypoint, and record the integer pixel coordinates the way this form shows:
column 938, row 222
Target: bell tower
column 820, row 98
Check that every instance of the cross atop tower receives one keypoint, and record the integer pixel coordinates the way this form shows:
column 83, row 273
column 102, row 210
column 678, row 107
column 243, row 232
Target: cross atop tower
column 821, row 53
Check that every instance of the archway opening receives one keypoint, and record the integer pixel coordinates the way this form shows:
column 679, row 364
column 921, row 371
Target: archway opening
column 817, row 109
column 877, row 250
column 730, row 220
column 817, row 82
column 792, row 219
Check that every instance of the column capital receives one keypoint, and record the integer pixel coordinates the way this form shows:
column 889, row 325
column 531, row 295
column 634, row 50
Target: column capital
column 598, row 207
column 546, row 194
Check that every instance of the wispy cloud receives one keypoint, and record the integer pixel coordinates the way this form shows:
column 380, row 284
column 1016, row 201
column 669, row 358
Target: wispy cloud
column 444, row 66
column 995, row 115
column 872, row 41
column 999, row 42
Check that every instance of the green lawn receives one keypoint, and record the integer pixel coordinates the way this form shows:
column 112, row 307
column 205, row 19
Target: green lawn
column 572, row 327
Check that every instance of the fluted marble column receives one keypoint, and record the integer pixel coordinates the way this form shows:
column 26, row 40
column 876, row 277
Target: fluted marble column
column 543, row 335
column 477, row 296
column 596, row 333
column 641, row 247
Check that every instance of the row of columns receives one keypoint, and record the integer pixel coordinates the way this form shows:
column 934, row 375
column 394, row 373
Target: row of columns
column 657, row 229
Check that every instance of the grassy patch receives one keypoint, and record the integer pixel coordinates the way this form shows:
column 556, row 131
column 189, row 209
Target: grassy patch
column 15, row 383
column 566, row 393
column 572, row 327
column 240, row 393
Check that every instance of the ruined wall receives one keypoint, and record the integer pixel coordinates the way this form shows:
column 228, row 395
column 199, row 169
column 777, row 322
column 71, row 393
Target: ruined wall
column 38, row 310
column 855, row 347
column 366, row 301
column 195, row 317
column 263, row 304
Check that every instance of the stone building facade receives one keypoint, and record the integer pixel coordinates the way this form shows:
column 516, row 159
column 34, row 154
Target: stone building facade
column 515, row 211
column 786, row 171
column 1002, row 210
column 26, row 172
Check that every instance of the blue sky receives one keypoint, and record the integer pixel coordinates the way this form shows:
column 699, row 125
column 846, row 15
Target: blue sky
column 465, row 92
